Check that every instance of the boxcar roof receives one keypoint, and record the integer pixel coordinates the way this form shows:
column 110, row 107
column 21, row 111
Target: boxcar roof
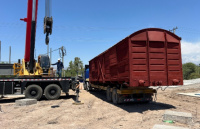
column 141, row 31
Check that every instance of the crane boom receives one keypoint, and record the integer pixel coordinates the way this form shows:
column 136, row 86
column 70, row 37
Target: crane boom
column 33, row 34
column 31, row 21
column 30, row 28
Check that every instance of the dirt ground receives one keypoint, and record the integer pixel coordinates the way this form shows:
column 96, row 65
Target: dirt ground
column 97, row 113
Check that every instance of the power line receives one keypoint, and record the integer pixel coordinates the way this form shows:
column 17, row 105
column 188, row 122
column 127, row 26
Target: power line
column 52, row 51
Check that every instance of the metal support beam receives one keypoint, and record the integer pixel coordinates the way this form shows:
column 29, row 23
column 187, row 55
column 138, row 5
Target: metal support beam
column 48, row 49
column 174, row 30
column 10, row 55
column 0, row 51
column 50, row 55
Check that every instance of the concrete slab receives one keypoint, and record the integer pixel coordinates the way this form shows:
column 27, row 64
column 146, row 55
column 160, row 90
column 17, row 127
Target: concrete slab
column 167, row 127
column 191, row 94
column 14, row 96
column 25, row 102
column 192, row 81
column 181, row 117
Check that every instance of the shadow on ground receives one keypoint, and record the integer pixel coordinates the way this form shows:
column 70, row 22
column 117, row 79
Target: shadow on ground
column 134, row 107
column 61, row 97
column 12, row 100
column 9, row 100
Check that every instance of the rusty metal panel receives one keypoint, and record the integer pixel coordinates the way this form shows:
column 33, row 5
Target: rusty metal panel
column 139, row 60
column 174, row 60
column 122, row 50
column 157, row 61
column 156, row 35
column 149, row 57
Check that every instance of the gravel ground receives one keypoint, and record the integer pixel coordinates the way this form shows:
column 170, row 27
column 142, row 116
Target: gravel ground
column 97, row 113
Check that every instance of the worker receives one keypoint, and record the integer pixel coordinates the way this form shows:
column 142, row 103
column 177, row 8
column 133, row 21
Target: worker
column 59, row 67
column 77, row 86
column 77, row 90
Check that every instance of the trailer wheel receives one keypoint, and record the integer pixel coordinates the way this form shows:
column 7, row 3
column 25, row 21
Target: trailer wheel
column 109, row 94
column 149, row 97
column 67, row 94
column 115, row 96
column 33, row 92
column 52, row 92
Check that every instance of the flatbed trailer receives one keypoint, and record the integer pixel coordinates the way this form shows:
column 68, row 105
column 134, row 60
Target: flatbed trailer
column 35, row 87
column 123, row 95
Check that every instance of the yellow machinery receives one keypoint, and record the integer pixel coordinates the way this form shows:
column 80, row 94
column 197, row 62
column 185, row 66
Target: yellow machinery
column 41, row 68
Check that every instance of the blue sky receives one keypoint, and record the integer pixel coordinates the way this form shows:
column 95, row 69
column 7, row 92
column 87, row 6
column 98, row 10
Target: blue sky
column 88, row 27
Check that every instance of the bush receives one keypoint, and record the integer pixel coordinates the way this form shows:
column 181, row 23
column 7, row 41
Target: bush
column 188, row 69
column 194, row 76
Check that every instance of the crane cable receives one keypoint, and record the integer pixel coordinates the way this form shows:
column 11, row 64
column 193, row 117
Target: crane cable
column 48, row 8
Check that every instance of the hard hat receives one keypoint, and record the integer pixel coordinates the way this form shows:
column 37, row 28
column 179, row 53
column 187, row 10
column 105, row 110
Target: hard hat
column 58, row 58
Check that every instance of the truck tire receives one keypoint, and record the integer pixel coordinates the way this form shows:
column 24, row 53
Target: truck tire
column 33, row 92
column 115, row 96
column 109, row 94
column 52, row 92
column 149, row 96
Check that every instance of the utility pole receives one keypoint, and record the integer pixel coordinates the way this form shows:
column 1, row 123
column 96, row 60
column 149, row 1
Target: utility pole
column 10, row 55
column 48, row 49
column 174, row 29
column 62, row 52
column 0, row 51
column 50, row 54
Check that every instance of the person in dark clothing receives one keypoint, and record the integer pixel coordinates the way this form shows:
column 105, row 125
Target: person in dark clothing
column 77, row 90
column 77, row 86
column 59, row 67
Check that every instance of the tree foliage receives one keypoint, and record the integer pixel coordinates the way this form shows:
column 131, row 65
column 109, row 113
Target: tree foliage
column 194, row 75
column 191, row 71
column 75, row 67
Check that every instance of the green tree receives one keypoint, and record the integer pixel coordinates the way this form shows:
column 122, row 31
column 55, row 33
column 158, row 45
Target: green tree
column 188, row 69
column 75, row 67
column 194, row 76
column 198, row 69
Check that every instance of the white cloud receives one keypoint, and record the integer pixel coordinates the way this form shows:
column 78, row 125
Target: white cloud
column 190, row 52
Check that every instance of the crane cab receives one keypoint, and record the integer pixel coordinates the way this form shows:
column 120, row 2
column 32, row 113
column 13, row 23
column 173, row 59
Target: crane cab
column 44, row 63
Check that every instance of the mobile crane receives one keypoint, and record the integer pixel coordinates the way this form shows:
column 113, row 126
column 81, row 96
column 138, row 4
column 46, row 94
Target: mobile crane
column 33, row 78
column 29, row 66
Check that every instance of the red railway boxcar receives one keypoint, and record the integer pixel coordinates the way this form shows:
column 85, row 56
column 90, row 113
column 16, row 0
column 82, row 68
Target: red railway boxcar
column 148, row 57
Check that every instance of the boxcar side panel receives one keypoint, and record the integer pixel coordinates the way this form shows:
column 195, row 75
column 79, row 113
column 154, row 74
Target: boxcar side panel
column 107, row 66
column 122, row 50
column 101, row 68
column 174, row 60
column 157, row 58
column 149, row 57
column 139, row 60
column 113, row 64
